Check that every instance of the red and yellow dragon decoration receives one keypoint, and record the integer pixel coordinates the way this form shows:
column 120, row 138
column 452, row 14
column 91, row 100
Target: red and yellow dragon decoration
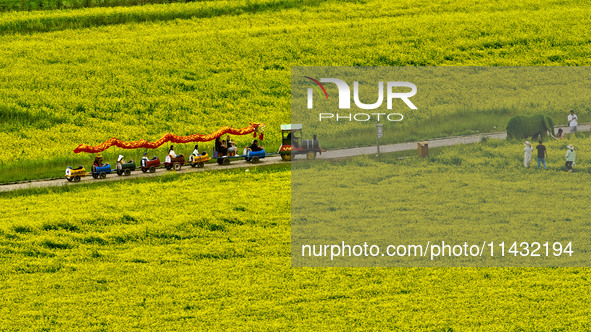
column 253, row 128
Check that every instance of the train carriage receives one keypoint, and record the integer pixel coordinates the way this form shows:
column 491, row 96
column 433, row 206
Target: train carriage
column 125, row 168
column 74, row 174
column 150, row 164
column 254, row 156
column 198, row 161
column 175, row 163
column 101, row 171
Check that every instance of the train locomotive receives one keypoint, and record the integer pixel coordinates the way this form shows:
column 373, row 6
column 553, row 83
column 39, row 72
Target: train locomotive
column 292, row 145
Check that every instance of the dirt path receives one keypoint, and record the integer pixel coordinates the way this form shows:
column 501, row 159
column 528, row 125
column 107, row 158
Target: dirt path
column 274, row 160
column 433, row 143
column 239, row 163
column 408, row 146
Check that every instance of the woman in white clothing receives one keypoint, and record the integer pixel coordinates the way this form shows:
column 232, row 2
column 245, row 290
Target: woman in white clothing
column 528, row 150
column 170, row 154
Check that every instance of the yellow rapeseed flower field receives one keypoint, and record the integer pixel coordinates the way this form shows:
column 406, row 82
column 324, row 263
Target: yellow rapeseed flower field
column 211, row 250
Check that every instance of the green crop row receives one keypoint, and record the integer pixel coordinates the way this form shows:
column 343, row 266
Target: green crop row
column 28, row 5
column 44, row 21
column 48, row 5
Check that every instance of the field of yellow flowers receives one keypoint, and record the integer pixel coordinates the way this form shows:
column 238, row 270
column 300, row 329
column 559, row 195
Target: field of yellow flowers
column 211, row 250
column 460, row 194
column 83, row 76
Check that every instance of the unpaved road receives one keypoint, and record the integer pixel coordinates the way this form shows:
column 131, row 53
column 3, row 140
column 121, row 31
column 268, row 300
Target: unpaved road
column 274, row 160
column 433, row 143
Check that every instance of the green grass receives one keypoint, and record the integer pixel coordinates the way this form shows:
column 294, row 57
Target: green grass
column 29, row 5
column 434, row 127
column 44, row 21
column 140, row 72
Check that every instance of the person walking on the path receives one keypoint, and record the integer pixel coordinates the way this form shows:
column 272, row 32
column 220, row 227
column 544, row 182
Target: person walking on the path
column 573, row 122
column 542, row 154
column 528, row 150
column 570, row 158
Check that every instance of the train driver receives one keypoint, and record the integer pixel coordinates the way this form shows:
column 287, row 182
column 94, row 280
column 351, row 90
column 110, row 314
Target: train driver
column 293, row 138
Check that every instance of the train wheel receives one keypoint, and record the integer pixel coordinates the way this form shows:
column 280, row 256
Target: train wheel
column 95, row 175
column 152, row 169
column 311, row 155
column 119, row 172
column 177, row 166
column 255, row 160
column 127, row 172
column 193, row 165
column 226, row 161
column 200, row 164
column 103, row 175
column 69, row 179
column 144, row 170
column 77, row 178
column 220, row 161
column 286, row 157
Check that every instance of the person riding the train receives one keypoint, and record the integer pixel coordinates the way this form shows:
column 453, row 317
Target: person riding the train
column 144, row 159
column 231, row 146
column 171, row 154
column 220, row 148
column 255, row 146
column 293, row 139
column 98, row 160
column 120, row 160
column 196, row 151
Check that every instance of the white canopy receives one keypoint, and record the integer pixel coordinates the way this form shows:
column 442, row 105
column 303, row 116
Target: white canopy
column 291, row 126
